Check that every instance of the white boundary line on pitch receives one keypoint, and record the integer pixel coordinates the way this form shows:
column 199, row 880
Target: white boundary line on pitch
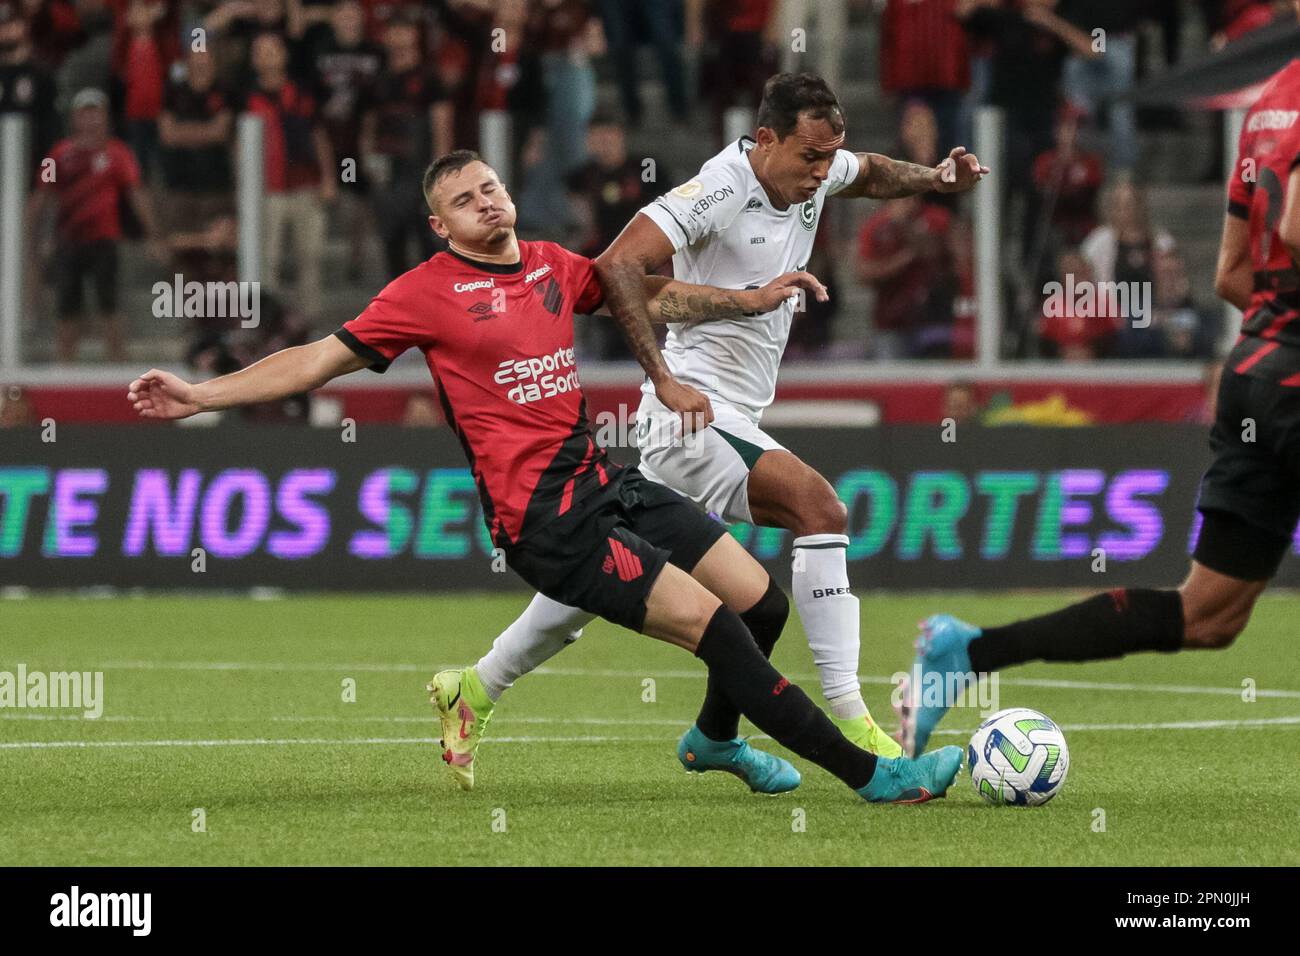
column 701, row 674
column 1265, row 722
column 581, row 721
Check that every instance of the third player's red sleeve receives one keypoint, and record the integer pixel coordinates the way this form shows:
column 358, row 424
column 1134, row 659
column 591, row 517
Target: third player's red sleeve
column 389, row 326
column 1241, row 184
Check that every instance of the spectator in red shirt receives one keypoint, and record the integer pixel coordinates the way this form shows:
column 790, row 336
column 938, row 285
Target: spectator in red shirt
column 300, row 174
column 89, row 174
column 144, row 77
column 1067, row 182
column 924, row 54
column 902, row 250
column 1072, row 327
column 165, row 16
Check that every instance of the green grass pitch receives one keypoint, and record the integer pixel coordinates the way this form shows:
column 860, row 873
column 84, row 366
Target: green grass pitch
column 235, row 706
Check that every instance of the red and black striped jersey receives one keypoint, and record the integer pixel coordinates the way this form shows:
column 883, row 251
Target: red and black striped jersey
column 1268, row 152
column 498, row 340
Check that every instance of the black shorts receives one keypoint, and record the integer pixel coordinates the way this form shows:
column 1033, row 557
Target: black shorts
column 604, row 554
column 75, row 262
column 1255, row 481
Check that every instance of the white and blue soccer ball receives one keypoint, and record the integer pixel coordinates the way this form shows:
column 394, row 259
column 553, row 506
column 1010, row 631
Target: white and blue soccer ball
column 1018, row 756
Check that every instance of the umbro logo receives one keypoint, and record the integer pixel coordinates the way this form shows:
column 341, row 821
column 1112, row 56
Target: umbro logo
column 752, row 204
column 481, row 310
column 622, row 560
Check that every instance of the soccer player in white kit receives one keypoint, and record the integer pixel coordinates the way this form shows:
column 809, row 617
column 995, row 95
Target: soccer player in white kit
column 749, row 215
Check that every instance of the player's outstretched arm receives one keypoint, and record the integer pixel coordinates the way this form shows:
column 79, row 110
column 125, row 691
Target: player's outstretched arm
column 292, row 371
column 674, row 301
column 880, row 177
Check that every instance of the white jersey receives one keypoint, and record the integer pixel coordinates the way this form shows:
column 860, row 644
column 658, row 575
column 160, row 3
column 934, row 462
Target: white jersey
column 725, row 233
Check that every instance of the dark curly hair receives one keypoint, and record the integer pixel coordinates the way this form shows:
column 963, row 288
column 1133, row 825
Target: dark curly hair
column 786, row 95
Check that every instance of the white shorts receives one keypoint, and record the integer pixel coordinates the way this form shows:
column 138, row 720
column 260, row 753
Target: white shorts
column 711, row 467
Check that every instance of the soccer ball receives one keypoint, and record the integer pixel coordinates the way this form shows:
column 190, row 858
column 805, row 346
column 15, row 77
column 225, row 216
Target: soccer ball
column 1018, row 756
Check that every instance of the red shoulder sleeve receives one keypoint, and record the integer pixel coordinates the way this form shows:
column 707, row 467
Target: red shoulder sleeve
column 580, row 280
column 397, row 319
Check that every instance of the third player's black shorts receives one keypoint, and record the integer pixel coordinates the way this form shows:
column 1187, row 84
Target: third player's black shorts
column 1256, row 482
column 604, row 554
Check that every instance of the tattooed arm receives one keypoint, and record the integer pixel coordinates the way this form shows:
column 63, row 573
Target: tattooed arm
column 622, row 269
column 671, row 301
column 880, row 177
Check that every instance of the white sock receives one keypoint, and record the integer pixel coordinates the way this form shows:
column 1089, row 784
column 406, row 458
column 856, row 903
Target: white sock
column 848, row 706
column 829, row 612
column 536, row 636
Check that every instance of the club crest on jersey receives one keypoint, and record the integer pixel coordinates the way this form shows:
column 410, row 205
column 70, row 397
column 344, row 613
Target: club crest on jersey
column 552, row 296
column 808, row 214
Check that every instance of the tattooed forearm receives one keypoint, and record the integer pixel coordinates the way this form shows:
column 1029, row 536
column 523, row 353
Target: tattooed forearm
column 880, row 177
column 681, row 302
column 623, row 283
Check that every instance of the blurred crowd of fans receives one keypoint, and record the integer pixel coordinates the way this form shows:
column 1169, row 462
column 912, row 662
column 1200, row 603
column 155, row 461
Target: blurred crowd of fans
column 136, row 102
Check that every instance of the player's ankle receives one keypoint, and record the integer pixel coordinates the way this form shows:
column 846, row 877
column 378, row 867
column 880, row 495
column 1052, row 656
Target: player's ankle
column 475, row 694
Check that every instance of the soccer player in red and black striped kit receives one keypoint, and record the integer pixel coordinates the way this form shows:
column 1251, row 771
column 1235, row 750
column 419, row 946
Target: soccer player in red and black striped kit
column 494, row 319
column 1250, row 496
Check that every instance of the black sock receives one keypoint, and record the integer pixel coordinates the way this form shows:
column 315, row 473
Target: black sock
column 719, row 719
column 1106, row 625
column 777, row 707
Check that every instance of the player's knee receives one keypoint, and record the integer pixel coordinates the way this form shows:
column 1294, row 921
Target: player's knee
column 771, row 612
column 692, row 620
column 823, row 514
